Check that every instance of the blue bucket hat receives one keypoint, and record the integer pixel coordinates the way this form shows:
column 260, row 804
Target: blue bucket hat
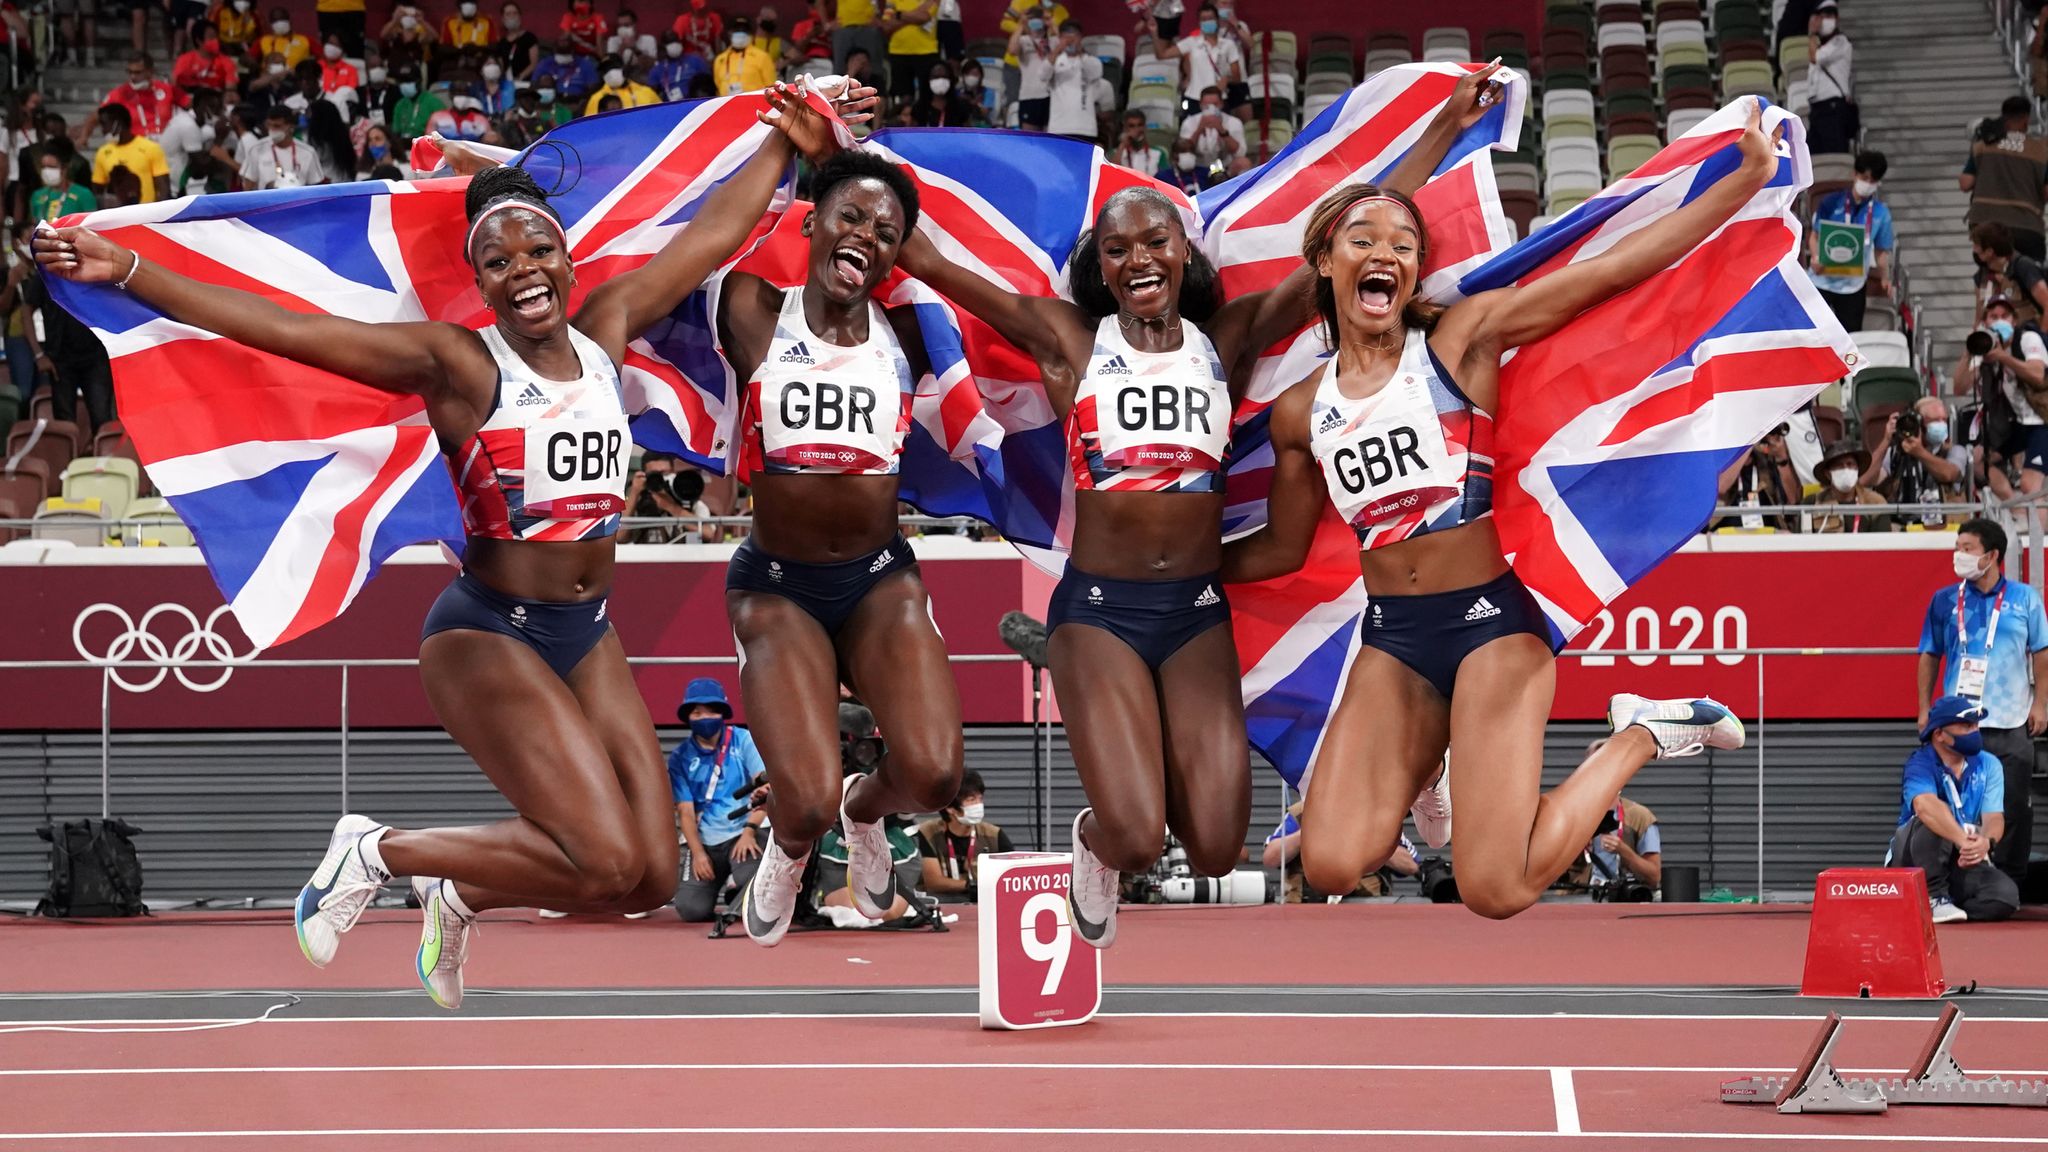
column 704, row 690
column 1950, row 710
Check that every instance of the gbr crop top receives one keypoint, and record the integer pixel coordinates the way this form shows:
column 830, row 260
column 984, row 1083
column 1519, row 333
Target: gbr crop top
column 550, row 461
column 822, row 408
column 1150, row 421
column 1413, row 458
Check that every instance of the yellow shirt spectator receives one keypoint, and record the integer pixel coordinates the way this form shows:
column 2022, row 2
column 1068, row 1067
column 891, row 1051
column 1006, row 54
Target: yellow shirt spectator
column 1055, row 15
column 856, row 12
column 920, row 39
column 337, row 5
column 742, row 70
column 236, row 29
column 141, row 156
column 631, row 96
column 293, row 48
column 459, row 33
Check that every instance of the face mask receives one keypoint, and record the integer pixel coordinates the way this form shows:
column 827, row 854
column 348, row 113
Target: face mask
column 941, row 85
column 406, row 22
column 1035, row 24
column 1211, row 109
column 464, row 103
column 280, row 27
column 212, row 47
column 1968, row 565
column 379, row 151
column 141, row 85
column 1969, row 743
column 1865, row 189
column 511, row 21
column 242, row 5
column 1225, row 13
column 547, row 95
column 1844, row 479
column 971, row 81
column 741, row 40
column 332, row 51
column 1208, row 27
column 565, row 58
column 2001, row 329
column 674, row 50
column 614, row 78
column 1827, row 25
column 468, row 11
column 377, row 75
column 280, row 135
column 625, row 31
column 275, row 69
column 1937, row 432
column 52, row 177
column 408, row 89
column 972, row 813
column 1074, row 49
column 492, row 72
column 707, row 727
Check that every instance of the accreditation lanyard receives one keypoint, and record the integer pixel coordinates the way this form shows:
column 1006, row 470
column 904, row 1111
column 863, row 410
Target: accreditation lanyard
column 1973, row 671
column 1955, row 800
column 718, row 764
column 953, row 867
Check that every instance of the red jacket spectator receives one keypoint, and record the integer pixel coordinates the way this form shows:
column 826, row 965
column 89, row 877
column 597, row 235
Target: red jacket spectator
column 338, row 74
column 150, row 106
column 701, row 31
column 205, row 67
column 582, row 24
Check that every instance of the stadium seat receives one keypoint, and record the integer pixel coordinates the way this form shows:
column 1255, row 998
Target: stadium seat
column 1512, row 176
column 108, row 479
column 1280, row 85
column 1571, row 152
column 1621, row 105
column 1625, row 34
column 1278, row 45
column 1579, row 20
column 1876, row 388
column 1733, row 50
column 1677, row 32
column 1676, row 10
column 1522, row 207
column 1381, row 59
column 26, row 483
column 9, row 510
column 1832, row 171
column 1503, row 42
column 54, row 442
column 1561, row 203
column 71, row 520
column 1827, row 421
column 42, row 407
column 1106, row 46
column 1792, row 52
column 159, row 524
column 1684, row 53
column 1277, row 137
column 1676, row 101
column 1682, row 121
column 1564, row 42
column 1883, row 349
column 1625, row 154
column 1565, row 79
column 984, row 46
column 1313, row 106
column 1447, row 45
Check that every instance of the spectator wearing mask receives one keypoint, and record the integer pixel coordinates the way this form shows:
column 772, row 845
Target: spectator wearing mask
column 1851, row 235
column 1031, row 49
column 283, row 41
column 1074, row 78
column 954, row 842
column 337, row 73
column 468, row 29
column 55, row 195
column 2006, row 176
column 1841, row 472
column 1237, row 95
column 912, row 29
column 742, row 67
column 630, row 93
column 408, row 34
column 1831, row 115
column 1763, row 477
column 1952, row 817
column 701, row 30
column 206, row 65
column 767, row 36
column 2009, row 379
column 415, row 106
column 140, row 155
column 1921, row 462
column 68, row 354
column 1134, row 149
column 855, row 27
column 494, row 90
column 711, row 773
column 377, row 152
column 570, row 75
column 1986, row 639
column 235, row 20
column 378, row 97
column 974, row 91
column 1283, row 851
column 630, row 42
column 182, row 138
column 1207, row 60
column 272, row 83
column 463, row 119
column 516, row 48
column 281, row 159
column 149, row 101
column 2005, row 271
column 308, row 92
column 584, row 29
column 342, row 21
column 941, row 106
column 1211, row 145
column 675, row 68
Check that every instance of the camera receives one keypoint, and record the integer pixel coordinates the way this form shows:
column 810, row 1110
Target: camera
column 1990, row 130
column 1624, row 888
column 1978, row 343
column 1909, row 425
column 1171, row 880
column 1437, row 881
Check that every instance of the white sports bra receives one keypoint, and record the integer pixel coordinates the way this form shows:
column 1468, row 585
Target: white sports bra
column 1150, row 421
column 822, row 408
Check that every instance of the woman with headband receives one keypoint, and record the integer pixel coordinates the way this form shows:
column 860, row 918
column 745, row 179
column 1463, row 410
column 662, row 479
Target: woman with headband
column 1140, row 365
column 518, row 656
column 1396, row 431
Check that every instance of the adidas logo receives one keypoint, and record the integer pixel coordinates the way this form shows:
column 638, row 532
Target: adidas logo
column 797, row 354
column 880, row 563
column 1331, row 419
column 1115, row 367
column 519, row 615
column 601, row 604
column 1208, row 597
column 1481, row 609
column 530, row 396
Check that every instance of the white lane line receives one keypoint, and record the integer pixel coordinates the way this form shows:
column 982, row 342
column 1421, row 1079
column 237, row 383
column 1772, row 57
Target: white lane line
column 1565, row 1099
column 444, row 1020
column 959, row 1066
column 837, row 1130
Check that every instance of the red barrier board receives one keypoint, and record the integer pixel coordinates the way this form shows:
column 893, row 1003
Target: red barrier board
column 1872, row 935
column 1035, row 972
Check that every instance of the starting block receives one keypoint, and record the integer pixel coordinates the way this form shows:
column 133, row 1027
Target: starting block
column 1871, row 935
column 1035, row 971
column 1934, row 1078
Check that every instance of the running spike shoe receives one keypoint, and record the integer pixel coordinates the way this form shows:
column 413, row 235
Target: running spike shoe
column 340, row 889
column 1680, row 727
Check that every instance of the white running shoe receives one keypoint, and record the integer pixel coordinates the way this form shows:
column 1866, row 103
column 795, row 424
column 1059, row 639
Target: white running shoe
column 1945, row 911
column 551, row 914
column 1092, row 895
column 769, row 902
column 340, row 889
column 444, row 943
column 1680, row 727
column 1432, row 809
column 870, row 878
column 639, row 915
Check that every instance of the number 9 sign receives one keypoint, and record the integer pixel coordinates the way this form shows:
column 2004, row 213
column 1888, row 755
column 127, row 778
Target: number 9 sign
column 1034, row 973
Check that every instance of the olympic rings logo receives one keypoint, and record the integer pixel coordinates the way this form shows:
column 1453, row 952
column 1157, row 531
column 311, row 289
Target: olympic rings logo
column 137, row 641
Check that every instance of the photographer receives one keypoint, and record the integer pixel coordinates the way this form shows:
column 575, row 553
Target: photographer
column 2006, row 368
column 2006, row 175
column 1625, row 860
column 955, row 840
column 1763, row 476
column 713, row 773
column 2005, row 271
column 1921, row 463
column 861, row 749
column 1842, row 468
column 666, row 487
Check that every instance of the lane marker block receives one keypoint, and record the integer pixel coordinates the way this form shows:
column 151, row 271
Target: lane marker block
column 1935, row 1078
column 1871, row 935
column 1035, row 972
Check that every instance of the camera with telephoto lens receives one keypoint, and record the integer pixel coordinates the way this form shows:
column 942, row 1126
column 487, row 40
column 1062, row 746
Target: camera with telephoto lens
column 1979, row 342
column 1991, row 129
column 1437, row 881
column 1622, row 888
column 1909, row 425
column 1172, row 880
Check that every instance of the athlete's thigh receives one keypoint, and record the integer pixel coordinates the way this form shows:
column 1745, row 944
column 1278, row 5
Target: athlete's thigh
column 895, row 661
column 1110, row 707
column 1385, row 741
column 603, row 684
column 1498, row 714
column 1208, row 763
column 528, row 733
column 789, row 681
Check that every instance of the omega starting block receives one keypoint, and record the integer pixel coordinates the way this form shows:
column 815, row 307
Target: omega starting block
column 1035, row 971
column 1934, row 1078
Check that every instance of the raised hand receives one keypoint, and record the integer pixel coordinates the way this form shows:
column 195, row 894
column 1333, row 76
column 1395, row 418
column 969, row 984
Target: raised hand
column 810, row 133
column 1760, row 152
column 82, row 255
column 1476, row 92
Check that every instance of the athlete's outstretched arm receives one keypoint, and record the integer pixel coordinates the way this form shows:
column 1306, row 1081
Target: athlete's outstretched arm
column 407, row 358
column 1048, row 329
column 1293, row 506
column 1493, row 322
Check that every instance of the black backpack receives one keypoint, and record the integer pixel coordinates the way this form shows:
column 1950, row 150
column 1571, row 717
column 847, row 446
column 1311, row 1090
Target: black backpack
column 93, row 869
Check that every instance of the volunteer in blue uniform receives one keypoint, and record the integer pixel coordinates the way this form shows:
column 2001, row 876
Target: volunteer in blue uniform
column 519, row 658
column 1952, row 816
column 1395, row 430
column 712, row 772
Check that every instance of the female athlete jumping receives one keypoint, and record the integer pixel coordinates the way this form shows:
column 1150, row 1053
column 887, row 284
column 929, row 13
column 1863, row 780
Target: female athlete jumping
column 1452, row 650
column 518, row 657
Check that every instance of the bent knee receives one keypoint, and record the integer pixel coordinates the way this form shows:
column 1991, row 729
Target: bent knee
column 1495, row 899
column 1128, row 847
column 608, row 876
column 805, row 818
column 927, row 775
column 1215, row 857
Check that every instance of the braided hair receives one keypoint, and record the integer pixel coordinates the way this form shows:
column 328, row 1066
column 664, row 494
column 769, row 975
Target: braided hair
column 504, row 184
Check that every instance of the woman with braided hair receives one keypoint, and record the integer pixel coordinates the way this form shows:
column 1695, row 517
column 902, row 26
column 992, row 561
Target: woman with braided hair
column 518, row 657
